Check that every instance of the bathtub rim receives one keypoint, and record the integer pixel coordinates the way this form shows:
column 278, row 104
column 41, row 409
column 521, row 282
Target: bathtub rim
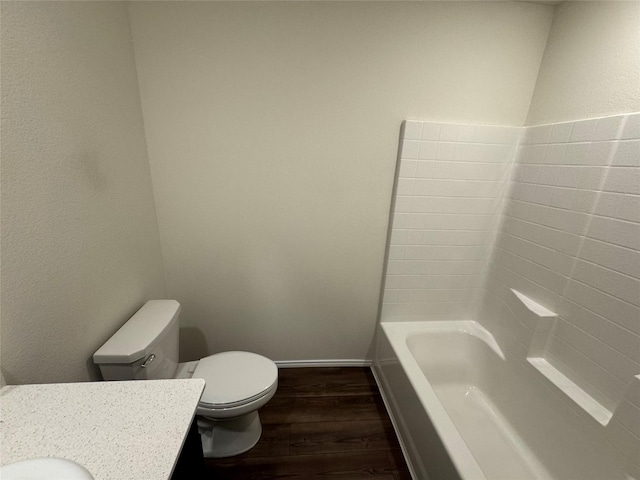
column 397, row 334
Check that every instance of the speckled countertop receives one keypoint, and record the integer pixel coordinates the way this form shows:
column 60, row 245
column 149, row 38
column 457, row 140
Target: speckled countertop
column 116, row 430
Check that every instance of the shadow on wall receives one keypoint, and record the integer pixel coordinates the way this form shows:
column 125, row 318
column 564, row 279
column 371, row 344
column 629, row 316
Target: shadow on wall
column 93, row 370
column 6, row 378
column 193, row 341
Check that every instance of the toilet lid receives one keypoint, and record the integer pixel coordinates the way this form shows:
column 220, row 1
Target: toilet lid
column 235, row 377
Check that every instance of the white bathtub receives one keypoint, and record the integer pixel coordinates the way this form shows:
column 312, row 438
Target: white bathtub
column 463, row 411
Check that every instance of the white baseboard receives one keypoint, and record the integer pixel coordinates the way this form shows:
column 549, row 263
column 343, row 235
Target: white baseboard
column 323, row 363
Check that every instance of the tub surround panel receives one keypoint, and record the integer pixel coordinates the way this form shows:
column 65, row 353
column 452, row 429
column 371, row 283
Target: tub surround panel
column 544, row 321
column 569, row 241
column 560, row 291
column 450, row 185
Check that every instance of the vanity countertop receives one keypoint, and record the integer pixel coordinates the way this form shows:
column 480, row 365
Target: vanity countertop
column 116, row 430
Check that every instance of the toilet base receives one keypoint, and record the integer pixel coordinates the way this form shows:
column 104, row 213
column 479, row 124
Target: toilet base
column 229, row 437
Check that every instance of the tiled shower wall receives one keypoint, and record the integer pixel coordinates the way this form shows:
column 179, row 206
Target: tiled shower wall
column 566, row 235
column 451, row 183
column 570, row 240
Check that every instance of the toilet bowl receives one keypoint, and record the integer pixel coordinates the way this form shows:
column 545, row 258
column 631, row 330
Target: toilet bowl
column 237, row 383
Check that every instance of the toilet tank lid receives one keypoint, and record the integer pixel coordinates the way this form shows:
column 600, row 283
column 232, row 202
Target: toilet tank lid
column 131, row 341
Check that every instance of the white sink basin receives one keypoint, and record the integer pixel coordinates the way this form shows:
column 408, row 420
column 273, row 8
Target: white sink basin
column 44, row 469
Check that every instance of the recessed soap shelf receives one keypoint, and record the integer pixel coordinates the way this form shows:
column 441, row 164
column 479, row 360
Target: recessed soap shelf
column 573, row 391
column 544, row 323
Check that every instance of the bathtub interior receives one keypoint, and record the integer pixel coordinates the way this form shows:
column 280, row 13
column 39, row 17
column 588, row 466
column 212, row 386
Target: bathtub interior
column 505, row 416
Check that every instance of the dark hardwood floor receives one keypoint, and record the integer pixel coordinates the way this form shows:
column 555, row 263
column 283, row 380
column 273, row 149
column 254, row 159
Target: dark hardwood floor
column 323, row 423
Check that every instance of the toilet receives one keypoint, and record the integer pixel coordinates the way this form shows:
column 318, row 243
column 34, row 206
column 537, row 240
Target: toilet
column 237, row 383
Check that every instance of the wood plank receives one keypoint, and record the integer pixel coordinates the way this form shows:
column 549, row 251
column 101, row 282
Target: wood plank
column 274, row 441
column 334, row 381
column 322, row 424
column 322, row 409
column 346, row 466
column 336, row 437
column 402, row 475
column 398, row 464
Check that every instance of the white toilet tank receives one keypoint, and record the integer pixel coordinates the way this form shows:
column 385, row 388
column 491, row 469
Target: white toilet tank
column 146, row 347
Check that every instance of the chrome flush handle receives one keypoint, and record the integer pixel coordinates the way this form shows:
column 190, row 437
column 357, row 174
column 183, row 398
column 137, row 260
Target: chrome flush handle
column 149, row 359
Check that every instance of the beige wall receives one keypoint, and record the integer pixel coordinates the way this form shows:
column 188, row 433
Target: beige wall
column 80, row 244
column 591, row 65
column 272, row 131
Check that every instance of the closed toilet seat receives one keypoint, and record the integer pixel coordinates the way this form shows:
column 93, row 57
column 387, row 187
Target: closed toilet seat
column 236, row 382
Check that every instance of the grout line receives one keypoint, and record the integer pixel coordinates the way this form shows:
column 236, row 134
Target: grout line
column 602, row 292
column 535, row 263
column 567, row 232
column 590, row 360
column 604, row 267
column 603, row 180
column 525, row 278
column 498, row 181
column 531, row 242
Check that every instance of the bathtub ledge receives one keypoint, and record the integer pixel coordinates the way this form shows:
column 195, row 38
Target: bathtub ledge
column 398, row 330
